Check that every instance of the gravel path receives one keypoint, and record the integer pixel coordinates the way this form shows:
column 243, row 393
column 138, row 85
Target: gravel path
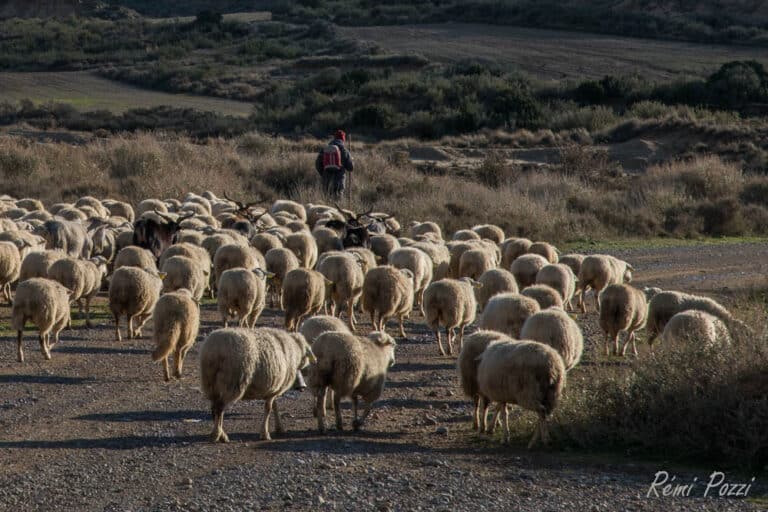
column 96, row 428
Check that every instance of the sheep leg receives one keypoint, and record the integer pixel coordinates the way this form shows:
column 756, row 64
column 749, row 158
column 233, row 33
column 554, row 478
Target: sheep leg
column 630, row 338
column 141, row 319
column 268, row 403
column 19, row 348
column 476, row 412
column 88, row 312
column 278, row 422
column 401, row 320
column 7, row 293
column 117, row 327
column 351, row 315
column 179, row 359
column 496, row 418
column 130, row 327
column 484, row 404
column 449, row 336
column 218, row 434
column 581, row 304
column 358, row 423
column 166, row 369
column 337, row 410
column 354, row 410
column 543, row 429
column 461, row 336
column 44, row 346
column 320, row 409
column 439, row 342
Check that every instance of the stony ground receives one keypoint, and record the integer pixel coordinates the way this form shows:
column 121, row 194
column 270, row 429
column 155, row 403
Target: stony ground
column 96, row 428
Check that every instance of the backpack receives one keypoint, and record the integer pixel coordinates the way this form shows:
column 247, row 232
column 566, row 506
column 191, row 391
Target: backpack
column 331, row 156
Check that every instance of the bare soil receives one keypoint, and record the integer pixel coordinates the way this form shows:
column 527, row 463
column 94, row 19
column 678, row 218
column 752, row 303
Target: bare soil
column 96, row 428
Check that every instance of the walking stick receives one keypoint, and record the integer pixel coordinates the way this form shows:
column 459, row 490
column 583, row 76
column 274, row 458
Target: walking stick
column 349, row 189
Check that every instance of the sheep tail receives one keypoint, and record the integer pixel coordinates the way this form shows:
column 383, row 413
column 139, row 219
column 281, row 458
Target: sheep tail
column 166, row 344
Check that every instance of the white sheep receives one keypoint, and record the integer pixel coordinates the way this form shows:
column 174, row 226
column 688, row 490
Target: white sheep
column 242, row 294
column 507, row 312
column 469, row 359
column 304, row 247
column 476, row 262
column 383, row 245
column 314, row 326
column 420, row 265
column 388, row 292
column 494, row 282
column 544, row 249
column 37, row 264
column 46, row 303
column 464, row 235
column 303, row 295
column 10, row 267
column 176, row 322
column 133, row 292
column 135, row 256
column 526, row 267
column 513, row 248
column 561, row 278
column 554, row 327
column 546, row 296
column 345, row 276
column 183, row 272
column 279, row 262
column 597, row 272
column 622, row 308
column 450, row 303
column 250, row 364
column 235, row 256
column 422, row 228
column 666, row 304
column 352, row 367
column 525, row 373
column 697, row 327
column 490, row 232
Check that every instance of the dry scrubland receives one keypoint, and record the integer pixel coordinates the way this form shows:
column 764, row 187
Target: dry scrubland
column 580, row 199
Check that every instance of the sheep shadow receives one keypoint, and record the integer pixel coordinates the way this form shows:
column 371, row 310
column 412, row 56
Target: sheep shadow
column 154, row 415
column 414, row 403
column 73, row 349
column 342, row 443
column 44, row 379
column 110, row 443
column 405, row 384
column 421, row 367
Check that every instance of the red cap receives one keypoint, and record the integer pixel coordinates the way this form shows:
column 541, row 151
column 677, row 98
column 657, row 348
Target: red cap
column 339, row 134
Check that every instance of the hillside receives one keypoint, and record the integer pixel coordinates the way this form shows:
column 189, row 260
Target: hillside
column 39, row 8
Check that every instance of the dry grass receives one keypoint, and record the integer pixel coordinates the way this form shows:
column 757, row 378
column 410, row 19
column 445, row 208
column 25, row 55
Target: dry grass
column 577, row 200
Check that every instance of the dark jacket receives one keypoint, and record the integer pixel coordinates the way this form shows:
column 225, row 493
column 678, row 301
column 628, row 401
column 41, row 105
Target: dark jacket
column 346, row 158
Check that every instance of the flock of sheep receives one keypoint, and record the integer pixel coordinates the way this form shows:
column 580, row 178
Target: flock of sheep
column 161, row 259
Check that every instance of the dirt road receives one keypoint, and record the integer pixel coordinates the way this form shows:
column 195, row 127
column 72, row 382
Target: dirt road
column 96, row 428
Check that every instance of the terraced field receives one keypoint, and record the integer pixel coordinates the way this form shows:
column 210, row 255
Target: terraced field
column 87, row 91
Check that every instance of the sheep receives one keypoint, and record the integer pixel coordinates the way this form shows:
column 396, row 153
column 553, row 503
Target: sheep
column 698, row 327
column 561, row 278
column 345, row 276
column 494, row 282
column 388, row 292
column 234, row 256
column 304, row 247
column 30, row 204
column 303, row 294
column 291, row 207
column 327, row 239
column 597, row 272
column 123, row 240
column 574, row 261
column 10, row 267
column 133, row 292
column 176, row 322
column 250, row 364
column 555, row 328
column 546, row 296
column 490, row 232
column 622, row 308
column 68, row 236
column 135, row 256
column 46, row 303
column 383, row 245
column 420, row 265
column 440, row 256
column 279, row 262
column 464, row 235
column 513, row 248
column 190, row 250
column 82, row 278
column 467, row 364
column 666, row 304
column 94, row 204
column 263, row 242
column 120, row 209
column 544, row 249
column 37, row 264
column 365, row 258
column 475, row 262
column 183, row 272
column 150, row 205
column 242, row 293
column 313, row 327
column 507, row 312
column 526, row 267
column 352, row 367
column 526, row 373
column 450, row 302
column 421, row 228
column 104, row 245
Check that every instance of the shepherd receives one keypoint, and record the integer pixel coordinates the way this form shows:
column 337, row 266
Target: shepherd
column 333, row 162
